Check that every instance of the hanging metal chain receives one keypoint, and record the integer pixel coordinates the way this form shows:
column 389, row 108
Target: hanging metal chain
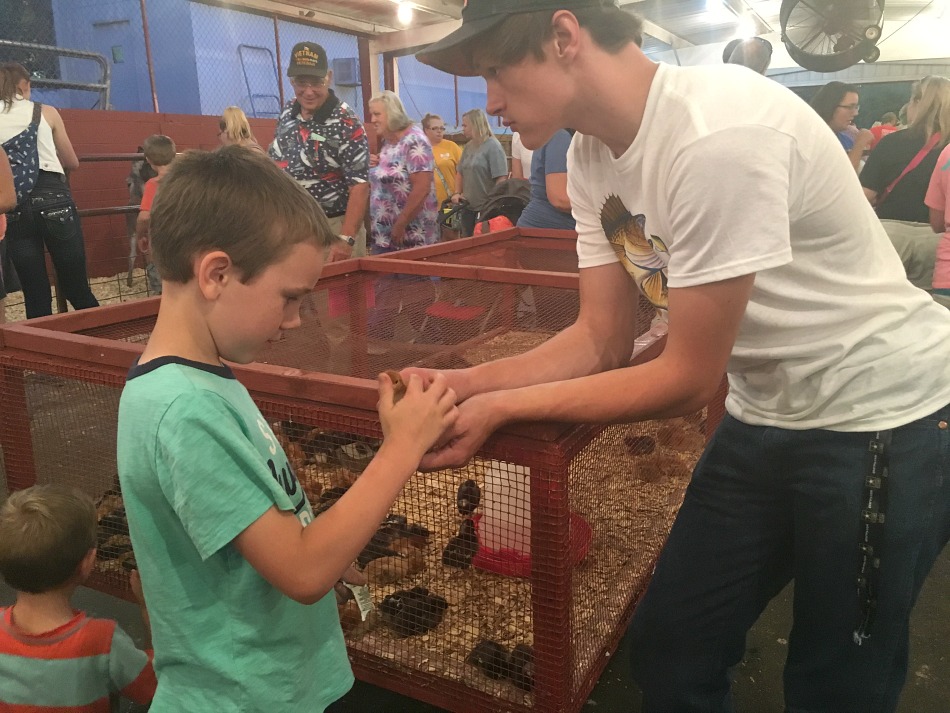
column 872, row 521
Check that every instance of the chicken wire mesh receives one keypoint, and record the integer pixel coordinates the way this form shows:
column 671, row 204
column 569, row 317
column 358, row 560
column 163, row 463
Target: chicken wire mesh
column 497, row 586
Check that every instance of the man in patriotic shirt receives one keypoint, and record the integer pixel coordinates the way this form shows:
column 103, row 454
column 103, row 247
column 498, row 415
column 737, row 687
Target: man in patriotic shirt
column 322, row 144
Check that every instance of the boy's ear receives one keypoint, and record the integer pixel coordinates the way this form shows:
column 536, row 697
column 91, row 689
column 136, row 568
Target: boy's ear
column 86, row 566
column 213, row 270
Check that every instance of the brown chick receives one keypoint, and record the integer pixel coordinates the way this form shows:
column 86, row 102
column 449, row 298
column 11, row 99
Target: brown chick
column 282, row 438
column 638, row 445
column 660, row 465
column 296, row 456
column 388, row 570
column 110, row 500
column 399, row 386
column 679, row 439
column 349, row 616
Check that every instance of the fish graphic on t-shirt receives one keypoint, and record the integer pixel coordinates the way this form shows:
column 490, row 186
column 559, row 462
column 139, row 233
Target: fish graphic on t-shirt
column 645, row 258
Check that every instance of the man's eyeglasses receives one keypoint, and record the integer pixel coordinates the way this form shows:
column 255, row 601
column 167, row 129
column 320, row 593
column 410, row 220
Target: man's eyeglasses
column 309, row 83
column 850, row 107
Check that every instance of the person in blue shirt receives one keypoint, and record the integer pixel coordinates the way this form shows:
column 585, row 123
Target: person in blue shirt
column 549, row 206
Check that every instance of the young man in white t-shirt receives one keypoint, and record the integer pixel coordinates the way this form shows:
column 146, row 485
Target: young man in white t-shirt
column 725, row 199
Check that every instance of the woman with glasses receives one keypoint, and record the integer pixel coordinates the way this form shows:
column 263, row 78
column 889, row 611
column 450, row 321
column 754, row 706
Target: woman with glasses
column 447, row 156
column 910, row 155
column 837, row 103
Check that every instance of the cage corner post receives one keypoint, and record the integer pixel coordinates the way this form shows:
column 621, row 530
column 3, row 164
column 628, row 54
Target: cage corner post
column 15, row 432
column 551, row 574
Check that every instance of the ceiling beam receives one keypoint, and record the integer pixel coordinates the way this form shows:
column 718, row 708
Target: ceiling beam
column 664, row 35
column 302, row 14
column 413, row 37
column 743, row 9
column 447, row 8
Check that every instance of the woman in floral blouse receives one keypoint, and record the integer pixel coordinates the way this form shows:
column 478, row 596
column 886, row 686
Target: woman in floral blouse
column 402, row 202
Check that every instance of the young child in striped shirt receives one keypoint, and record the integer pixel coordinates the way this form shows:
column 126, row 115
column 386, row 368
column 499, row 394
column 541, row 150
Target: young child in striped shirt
column 52, row 657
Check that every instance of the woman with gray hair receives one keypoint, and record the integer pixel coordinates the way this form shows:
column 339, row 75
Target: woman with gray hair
column 402, row 205
column 483, row 165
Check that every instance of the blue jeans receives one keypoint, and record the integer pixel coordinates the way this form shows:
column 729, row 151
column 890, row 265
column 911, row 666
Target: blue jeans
column 768, row 505
column 49, row 219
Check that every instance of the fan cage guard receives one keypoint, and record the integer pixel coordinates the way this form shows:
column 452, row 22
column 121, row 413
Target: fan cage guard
column 61, row 378
column 831, row 18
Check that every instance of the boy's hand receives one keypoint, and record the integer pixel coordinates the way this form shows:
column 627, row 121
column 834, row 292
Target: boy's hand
column 418, row 421
column 144, row 244
column 458, row 380
column 135, row 582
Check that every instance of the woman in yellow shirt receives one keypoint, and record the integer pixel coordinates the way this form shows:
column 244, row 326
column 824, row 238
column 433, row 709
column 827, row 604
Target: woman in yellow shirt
column 447, row 156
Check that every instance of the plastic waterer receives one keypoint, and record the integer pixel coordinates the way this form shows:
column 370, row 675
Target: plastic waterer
column 505, row 523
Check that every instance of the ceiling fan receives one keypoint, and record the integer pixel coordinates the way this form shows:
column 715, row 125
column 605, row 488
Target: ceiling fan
column 831, row 35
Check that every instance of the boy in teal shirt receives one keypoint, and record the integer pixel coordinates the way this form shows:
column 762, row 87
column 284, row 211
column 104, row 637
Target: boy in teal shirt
column 237, row 573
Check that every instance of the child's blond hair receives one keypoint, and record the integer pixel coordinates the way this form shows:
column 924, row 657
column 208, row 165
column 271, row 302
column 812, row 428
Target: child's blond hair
column 45, row 532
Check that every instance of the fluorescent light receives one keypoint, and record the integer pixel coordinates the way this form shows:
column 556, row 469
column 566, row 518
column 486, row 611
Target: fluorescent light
column 718, row 12
column 404, row 14
column 746, row 28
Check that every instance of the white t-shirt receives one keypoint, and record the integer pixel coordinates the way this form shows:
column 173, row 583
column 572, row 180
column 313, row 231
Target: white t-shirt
column 732, row 174
column 17, row 119
column 519, row 152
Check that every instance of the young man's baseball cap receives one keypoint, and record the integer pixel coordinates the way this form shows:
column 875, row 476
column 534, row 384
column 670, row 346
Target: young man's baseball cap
column 307, row 59
column 481, row 16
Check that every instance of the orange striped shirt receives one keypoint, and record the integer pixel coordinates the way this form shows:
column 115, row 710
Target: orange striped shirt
column 74, row 668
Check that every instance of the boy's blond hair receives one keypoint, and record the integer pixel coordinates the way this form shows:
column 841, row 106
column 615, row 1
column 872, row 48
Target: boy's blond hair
column 236, row 201
column 159, row 150
column 45, row 532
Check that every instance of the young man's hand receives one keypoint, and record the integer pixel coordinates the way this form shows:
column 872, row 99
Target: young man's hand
column 478, row 419
column 421, row 417
column 145, row 245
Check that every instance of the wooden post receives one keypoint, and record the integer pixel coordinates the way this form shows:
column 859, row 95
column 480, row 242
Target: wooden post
column 148, row 56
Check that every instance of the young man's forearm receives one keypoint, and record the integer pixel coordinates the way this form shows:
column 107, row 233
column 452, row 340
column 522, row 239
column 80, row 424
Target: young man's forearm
column 657, row 389
column 570, row 354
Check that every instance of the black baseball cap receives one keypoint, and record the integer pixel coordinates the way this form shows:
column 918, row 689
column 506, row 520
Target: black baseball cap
column 481, row 16
column 307, row 59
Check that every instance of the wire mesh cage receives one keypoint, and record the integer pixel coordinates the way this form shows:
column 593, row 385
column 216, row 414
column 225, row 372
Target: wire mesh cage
column 503, row 585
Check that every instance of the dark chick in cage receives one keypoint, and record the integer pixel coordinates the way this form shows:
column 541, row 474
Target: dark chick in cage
column 414, row 611
column 490, row 657
column 462, row 548
column 494, row 660
column 521, row 667
column 469, row 496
